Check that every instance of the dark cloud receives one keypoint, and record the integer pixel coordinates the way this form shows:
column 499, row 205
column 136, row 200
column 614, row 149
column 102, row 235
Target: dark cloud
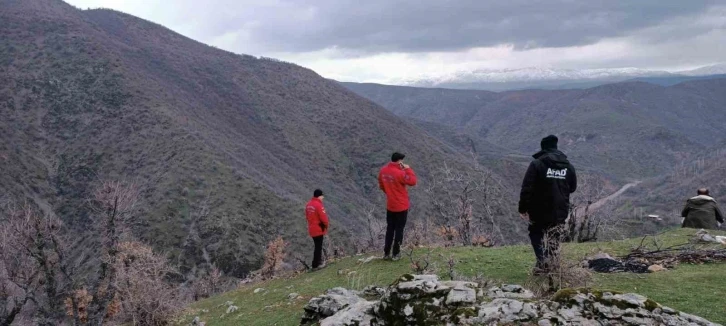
column 431, row 37
column 374, row 26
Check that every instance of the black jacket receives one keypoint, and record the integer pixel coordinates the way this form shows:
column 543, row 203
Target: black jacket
column 546, row 188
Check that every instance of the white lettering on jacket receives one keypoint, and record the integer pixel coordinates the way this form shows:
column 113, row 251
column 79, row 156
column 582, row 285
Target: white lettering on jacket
column 557, row 174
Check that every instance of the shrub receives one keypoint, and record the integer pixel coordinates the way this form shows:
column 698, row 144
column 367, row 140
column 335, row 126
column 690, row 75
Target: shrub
column 274, row 257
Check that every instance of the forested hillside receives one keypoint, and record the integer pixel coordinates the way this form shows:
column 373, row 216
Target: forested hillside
column 225, row 148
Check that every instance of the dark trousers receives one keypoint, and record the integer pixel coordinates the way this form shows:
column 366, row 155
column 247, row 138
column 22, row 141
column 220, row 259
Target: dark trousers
column 318, row 253
column 395, row 223
column 545, row 242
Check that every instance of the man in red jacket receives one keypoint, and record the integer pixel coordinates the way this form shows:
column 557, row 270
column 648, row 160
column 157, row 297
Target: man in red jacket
column 393, row 179
column 317, row 224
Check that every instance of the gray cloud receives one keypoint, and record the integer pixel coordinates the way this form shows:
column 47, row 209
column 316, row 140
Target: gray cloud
column 375, row 26
column 388, row 40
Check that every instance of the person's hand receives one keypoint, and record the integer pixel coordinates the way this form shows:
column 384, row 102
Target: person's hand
column 405, row 166
column 524, row 216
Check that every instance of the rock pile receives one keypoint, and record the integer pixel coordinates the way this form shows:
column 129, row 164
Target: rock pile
column 425, row 300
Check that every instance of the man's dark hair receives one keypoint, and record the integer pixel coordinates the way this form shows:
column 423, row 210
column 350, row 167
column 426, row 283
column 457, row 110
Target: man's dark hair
column 397, row 157
column 317, row 193
column 703, row 191
column 549, row 142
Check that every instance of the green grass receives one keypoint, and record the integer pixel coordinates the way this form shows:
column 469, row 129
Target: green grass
column 695, row 289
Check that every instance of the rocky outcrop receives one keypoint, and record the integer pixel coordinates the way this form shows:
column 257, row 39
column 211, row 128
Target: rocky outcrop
column 424, row 300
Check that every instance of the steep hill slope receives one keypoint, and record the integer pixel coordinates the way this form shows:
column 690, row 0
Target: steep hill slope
column 626, row 130
column 225, row 148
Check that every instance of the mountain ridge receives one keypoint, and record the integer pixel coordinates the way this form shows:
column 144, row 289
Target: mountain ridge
column 547, row 78
column 225, row 148
column 597, row 126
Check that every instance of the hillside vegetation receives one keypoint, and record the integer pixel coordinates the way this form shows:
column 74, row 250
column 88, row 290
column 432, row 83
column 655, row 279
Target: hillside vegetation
column 225, row 148
column 696, row 289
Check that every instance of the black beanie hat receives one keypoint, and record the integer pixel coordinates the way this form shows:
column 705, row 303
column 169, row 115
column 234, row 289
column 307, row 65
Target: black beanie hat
column 397, row 157
column 549, row 142
column 317, row 193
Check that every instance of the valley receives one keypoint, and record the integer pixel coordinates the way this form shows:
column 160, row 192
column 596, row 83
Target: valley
column 221, row 150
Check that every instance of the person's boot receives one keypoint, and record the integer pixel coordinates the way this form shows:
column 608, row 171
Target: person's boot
column 322, row 265
column 540, row 270
column 387, row 257
column 396, row 258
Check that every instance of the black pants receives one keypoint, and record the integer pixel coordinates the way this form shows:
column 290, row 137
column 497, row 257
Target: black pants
column 318, row 253
column 395, row 223
column 544, row 251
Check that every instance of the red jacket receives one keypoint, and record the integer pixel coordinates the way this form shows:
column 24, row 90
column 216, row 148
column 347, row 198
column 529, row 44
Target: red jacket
column 393, row 181
column 317, row 218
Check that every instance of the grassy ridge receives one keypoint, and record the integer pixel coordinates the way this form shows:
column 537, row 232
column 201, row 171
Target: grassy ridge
column 696, row 289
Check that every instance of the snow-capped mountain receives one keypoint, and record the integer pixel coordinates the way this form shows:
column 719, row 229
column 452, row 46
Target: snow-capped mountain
column 718, row 69
column 546, row 78
column 531, row 74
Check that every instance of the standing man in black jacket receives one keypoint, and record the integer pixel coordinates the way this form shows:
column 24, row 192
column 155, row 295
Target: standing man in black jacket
column 545, row 198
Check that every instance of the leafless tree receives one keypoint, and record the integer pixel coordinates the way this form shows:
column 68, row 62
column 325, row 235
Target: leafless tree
column 451, row 263
column 590, row 213
column 146, row 297
column 213, row 282
column 332, row 249
column 17, row 277
column 421, row 232
column 38, row 268
column 114, row 203
column 466, row 203
column 35, row 265
column 371, row 237
column 422, row 264
column 274, row 257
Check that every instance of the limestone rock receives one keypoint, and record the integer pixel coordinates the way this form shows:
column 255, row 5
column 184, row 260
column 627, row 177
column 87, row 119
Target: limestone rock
column 424, row 300
column 372, row 291
column 232, row 309
column 329, row 304
column 510, row 291
column 356, row 314
column 461, row 295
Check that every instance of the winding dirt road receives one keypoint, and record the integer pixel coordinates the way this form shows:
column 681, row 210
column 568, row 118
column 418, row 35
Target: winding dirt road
column 612, row 196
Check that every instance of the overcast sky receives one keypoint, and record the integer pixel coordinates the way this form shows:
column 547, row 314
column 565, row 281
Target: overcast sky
column 390, row 40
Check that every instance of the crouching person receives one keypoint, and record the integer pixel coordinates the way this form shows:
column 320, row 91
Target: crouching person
column 702, row 212
column 317, row 226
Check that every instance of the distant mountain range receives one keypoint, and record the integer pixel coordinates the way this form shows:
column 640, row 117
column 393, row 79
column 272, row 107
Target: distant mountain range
column 547, row 78
column 628, row 130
